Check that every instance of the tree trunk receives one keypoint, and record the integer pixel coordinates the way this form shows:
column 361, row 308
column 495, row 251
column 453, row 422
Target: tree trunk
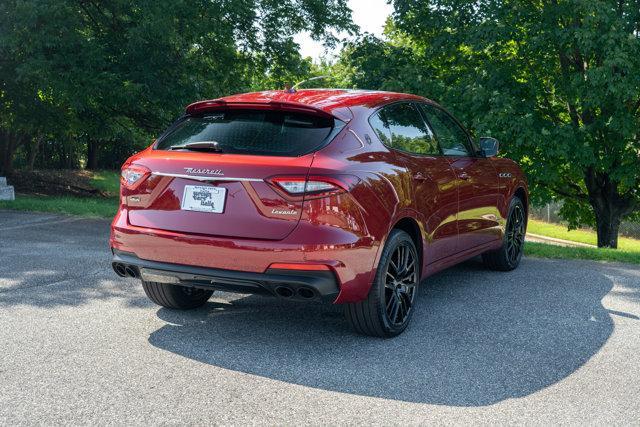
column 607, row 226
column 608, row 205
column 92, row 155
column 9, row 149
column 33, row 152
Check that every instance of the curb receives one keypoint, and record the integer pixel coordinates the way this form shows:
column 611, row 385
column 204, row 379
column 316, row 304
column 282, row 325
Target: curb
column 558, row 242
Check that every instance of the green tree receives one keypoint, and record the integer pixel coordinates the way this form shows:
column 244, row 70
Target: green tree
column 557, row 81
column 121, row 70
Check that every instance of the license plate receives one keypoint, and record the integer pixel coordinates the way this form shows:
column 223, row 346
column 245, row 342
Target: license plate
column 203, row 199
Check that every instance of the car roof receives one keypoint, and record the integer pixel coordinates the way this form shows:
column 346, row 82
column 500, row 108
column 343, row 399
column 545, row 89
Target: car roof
column 330, row 101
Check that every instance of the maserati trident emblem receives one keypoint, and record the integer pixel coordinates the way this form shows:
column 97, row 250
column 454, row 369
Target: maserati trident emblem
column 196, row 171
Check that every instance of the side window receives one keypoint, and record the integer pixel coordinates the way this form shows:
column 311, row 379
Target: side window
column 452, row 138
column 401, row 126
column 381, row 128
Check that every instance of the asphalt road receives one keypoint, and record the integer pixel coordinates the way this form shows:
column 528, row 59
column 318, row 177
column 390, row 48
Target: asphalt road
column 553, row 342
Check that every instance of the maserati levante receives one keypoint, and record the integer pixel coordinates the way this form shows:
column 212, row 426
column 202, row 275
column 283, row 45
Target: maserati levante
column 343, row 196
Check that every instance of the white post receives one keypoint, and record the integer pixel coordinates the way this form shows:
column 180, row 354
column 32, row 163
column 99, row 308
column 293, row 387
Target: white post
column 6, row 191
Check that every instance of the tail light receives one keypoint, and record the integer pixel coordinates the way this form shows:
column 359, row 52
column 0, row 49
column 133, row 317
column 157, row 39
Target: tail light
column 315, row 186
column 132, row 176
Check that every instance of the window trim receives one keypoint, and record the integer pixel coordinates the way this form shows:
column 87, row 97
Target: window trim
column 415, row 105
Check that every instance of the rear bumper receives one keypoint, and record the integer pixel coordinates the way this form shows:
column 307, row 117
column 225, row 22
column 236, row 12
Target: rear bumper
column 350, row 255
column 299, row 285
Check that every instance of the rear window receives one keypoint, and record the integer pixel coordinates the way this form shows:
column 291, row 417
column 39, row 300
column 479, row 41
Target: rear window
column 255, row 132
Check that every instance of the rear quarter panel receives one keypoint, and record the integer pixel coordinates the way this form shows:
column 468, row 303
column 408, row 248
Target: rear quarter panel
column 382, row 194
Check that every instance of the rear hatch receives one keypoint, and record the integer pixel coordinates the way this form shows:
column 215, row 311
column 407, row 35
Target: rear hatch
column 215, row 173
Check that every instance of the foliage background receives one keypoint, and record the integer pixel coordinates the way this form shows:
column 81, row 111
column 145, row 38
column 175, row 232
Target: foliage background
column 85, row 83
column 556, row 81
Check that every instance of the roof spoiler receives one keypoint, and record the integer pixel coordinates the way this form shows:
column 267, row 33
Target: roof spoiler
column 296, row 107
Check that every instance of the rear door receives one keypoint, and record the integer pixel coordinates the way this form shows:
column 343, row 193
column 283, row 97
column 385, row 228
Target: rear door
column 210, row 174
column 476, row 181
column 401, row 126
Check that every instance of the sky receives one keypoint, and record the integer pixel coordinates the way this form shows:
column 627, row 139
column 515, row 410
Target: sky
column 369, row 15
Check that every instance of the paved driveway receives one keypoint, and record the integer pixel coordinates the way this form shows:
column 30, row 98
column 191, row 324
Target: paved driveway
column 554, row 341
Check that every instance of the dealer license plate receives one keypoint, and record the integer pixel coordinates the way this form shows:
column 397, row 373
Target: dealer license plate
column 204, row 199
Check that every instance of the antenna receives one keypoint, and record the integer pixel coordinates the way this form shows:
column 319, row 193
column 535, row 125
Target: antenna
column 293, row 88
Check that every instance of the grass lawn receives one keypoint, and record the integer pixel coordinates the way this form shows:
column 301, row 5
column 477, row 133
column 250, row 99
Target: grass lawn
column 582, row 236
column 542, row 250
column 628, row 249
column 108, row 181
column 100, row 207
column 89, row 207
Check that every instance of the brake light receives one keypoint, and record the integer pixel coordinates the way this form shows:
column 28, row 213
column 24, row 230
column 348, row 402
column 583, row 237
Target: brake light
column 301, row 186
column 132, row 176
column 312, row 185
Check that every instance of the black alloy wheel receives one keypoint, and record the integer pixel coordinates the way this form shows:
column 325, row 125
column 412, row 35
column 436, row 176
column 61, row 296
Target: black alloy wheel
column 515, row 234
column 401, row 281
column 391, row 301
column 508, row 256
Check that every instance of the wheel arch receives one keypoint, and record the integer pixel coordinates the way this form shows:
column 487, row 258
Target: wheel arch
column 521, row 193
column 410, row 226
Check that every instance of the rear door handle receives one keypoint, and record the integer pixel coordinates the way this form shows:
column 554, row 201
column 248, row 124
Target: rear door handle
column 464, row 175
column 419, row 176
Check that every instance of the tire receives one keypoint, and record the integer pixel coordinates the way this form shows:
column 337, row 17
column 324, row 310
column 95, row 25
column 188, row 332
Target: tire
column 176, row 296
column 508, row 256
column 394, row 290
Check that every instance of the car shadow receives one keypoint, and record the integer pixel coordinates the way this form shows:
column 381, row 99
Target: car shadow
column 477, row 337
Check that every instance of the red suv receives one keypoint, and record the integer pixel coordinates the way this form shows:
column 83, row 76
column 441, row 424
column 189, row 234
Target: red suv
column 351, row 197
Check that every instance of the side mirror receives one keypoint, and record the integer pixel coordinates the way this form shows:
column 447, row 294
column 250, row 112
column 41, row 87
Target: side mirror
column 489, row 146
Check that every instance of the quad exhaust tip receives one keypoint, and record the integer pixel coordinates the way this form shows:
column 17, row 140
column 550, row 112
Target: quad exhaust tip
column 119, row 269
column 284, row 291
column 303, row 292
column 123, row 270
column 306, row 293
column 132, row 271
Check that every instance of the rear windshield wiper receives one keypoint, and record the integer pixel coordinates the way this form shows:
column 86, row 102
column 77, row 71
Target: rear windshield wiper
column 198, row 146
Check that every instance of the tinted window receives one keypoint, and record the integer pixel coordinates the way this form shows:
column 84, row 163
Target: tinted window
column 452, row 138
column 402, row 127
column 273, row 133
column 381, row 128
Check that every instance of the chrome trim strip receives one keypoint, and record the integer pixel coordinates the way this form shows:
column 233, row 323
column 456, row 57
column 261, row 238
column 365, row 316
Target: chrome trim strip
column 206, row 178
column 358, row 138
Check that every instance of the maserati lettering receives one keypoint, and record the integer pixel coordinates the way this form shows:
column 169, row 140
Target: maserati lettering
column 216, row 172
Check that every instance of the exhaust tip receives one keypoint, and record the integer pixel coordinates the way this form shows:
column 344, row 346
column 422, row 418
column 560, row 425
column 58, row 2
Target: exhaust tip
column 306, row 293
column 131, row 271
column 284, row 291
column 119, row 269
